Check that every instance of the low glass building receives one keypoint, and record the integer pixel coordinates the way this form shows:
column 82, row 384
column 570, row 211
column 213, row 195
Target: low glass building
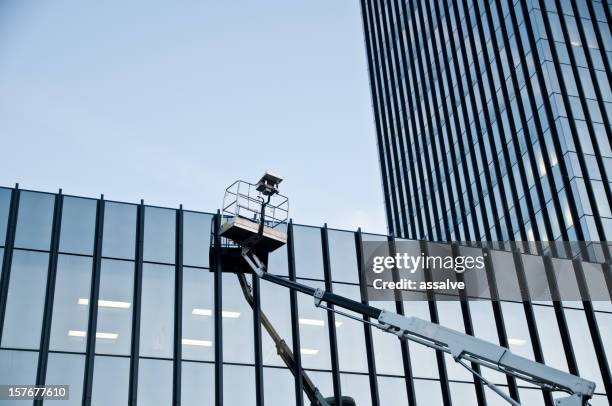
column 138, row 276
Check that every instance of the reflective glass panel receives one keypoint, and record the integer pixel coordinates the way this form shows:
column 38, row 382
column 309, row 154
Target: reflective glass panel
column 277, row 262
column 196, row 238
column 246, row 394
column 275, row 305
column 5, row 206
column 428, row 392
column 583, row 347
column 279, row 389
column 34, row 220
column 115, row 306
column 350, row 334
column 550, row 337
column 26, row 300
column 424, row 362
column 119, row 237
column 517, row 331
column 154, row 382
column 66, row 369
column 237, row 322
column 198, row 318
column 157, row 311
column 71, row 303
column 450, row 315
column 604, row 322
column 159, row 235
column 323, row 381
column 78, row 225
column 388, row 354
column 197, row 383
column 308, row 252
column 1, row 260
column 483, row 322
column 110, row 372
column 357, row 387
column 314, row 333
column 18, row 368
column 343, row 256
column 463, row 393
column 392, row 391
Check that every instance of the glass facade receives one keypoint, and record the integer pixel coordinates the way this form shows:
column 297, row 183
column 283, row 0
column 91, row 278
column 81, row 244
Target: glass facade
column 153, row 314
column 493, row 117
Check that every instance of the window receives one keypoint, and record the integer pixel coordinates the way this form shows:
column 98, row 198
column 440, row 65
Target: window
column 159, row 235
column 115, row 306
column 279, row 387
column 154, row 382
column 483, row 322
column 246, row 377
column 71, row 303
column 119, row 237
column 198, row 317
column 343, row 256
column 463, row 393
column 196, row 238
column 550, row 337
column 357, row 387
column 388, row 351
column 350, row 334
column 18, row 368
column 78, row 225
column 428, row 392
column 157, row 311
column 110, row 372
column 34, row 221
column 583, row 347
column 66, row 369
column 392, row 391
column 26, row 300
column 517, row 331
column 423, row 359
column 237, row 322
column 314, row 333
column 308, row 252
column 197, row 383
column 450, row 315
column 5, row 204
column 276, row 306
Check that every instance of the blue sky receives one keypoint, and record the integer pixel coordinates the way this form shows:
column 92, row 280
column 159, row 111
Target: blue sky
column 171, row 101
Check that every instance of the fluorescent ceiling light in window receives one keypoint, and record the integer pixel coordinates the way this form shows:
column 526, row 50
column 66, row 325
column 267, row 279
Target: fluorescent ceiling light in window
column 80, row 333
column 312, row 322
column 207, row 312
column 308, row 351
column 517, row 341
column 107, row 303
column 338, row 323
column 197, row 343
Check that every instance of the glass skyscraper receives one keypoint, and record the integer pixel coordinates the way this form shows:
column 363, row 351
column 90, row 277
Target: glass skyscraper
column 493, row 117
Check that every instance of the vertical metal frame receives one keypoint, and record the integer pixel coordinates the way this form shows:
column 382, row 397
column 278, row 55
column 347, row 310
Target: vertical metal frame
column 94, row 294
column 218, row 307
column 259, row 377
column 367, row 329
column 178, row 309
column 331, row 317
column 8, row 253
column 45, row 335
column 295, row 326
column 135, row 352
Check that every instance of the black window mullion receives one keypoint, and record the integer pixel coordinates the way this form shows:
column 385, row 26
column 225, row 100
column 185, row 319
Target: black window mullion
column 295, row 327
column 45, row 335
column 218, row 308
column 331, row 318
column 178, row 308
column 8, row 253
column 93, row 304
column 135, row 350
column 259, row 378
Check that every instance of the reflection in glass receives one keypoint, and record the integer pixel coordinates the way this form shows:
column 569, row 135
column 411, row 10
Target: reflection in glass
column 308, row 252
column 18, row 368
column 237, row 322
column 159, row 235
column 604, row 322
column 198, row 318
column 66, row 369
column 421, row 355
column 277, row 262
column 71, row 303
column 26, row 300
column 357, row 387
column 517, row 331
column 279, row 389
column 428, row 392
column 246, row 378
column 119, row 237
column 388, row 354
column 157, row 311
column 550, row 337
column 483, row 322
column 392, row 391
column 196, row 238
column 154, row 382
column 350, row 334
column 34, row 220
column 314, row 333
column 78, row 225
column 115, row 306
column 110, row 372
column 323, row 381
column 583, row 347
column 343, row 256
column 5, row 204
column 450, row 315
column 275, row 305
column 463, row 393
column 197, row 383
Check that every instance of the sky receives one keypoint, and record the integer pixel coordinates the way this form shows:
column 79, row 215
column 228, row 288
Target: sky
column 171, row 101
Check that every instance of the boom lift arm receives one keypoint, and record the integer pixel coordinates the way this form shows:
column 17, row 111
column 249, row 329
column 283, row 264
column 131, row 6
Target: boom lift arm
column 462, row 347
